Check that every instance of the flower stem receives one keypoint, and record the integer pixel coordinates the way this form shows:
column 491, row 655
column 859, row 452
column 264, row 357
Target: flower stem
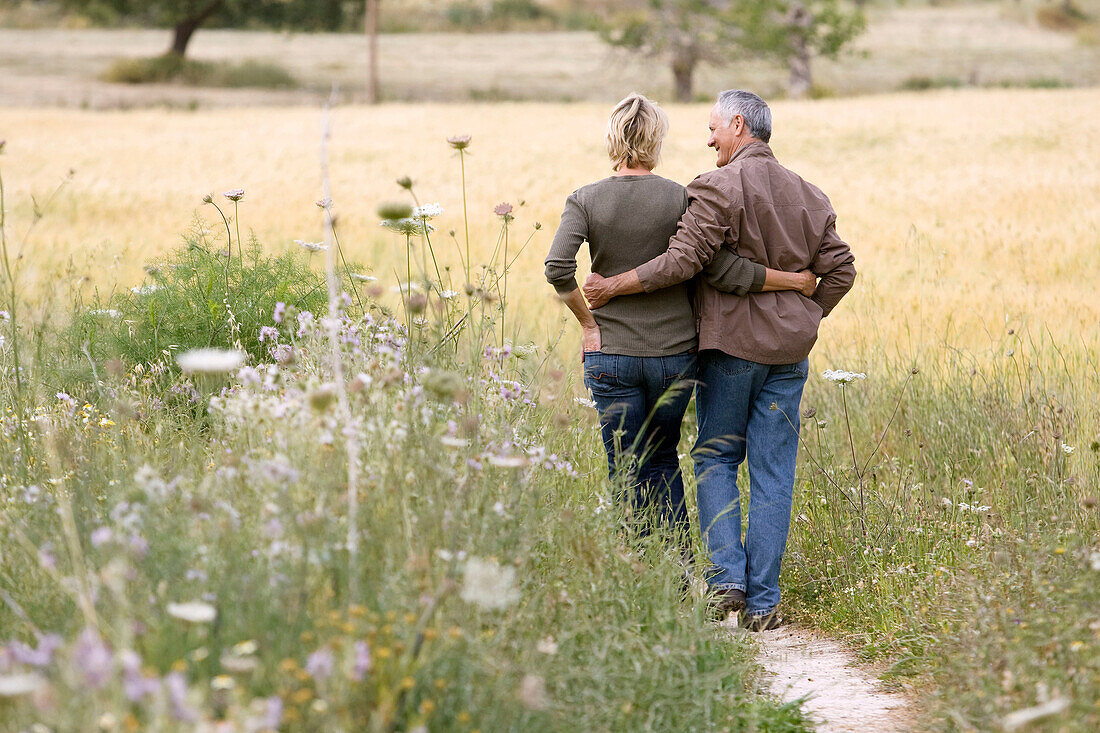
column 465, row 215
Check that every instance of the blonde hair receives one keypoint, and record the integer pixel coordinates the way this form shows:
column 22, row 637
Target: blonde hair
column 635, row 131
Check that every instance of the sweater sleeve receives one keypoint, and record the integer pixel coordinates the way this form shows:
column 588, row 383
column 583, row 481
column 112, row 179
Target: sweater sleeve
column 732, row 273
column 705, row 225
column 561, row 262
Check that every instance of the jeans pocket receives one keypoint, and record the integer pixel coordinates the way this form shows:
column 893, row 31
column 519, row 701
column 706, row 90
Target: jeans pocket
column 599, row 370
column 731, row 366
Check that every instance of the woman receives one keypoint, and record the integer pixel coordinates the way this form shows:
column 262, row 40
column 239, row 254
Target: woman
column 638, row 350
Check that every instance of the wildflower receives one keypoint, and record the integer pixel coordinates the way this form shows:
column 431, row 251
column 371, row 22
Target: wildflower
column 532, row 692
column 498, row 509
column 101, row 536
column 585, row 403
column 16, row 685
column 195, row 612
column 92, row 658
column 1068, row 449
column 503, row 210
column 208, row 199
column 134, row 683
column 39, row 657
column 269, row 332
column 362, row 278
column 405, row 182
column 147, row 289
column 393, row 211
column 222, row 682
column 234, row 195
column 324, row 203
column 448, row 294
column 488, row 585
column 177, row 698
column 272, row 714
column 459, row 142
column 108, row 312
column 320, row 664
column 503, row 461
column 210, row 361
column 1094, row 561
column 427, row 211
column 362, row 663
column 841, row 377
column 311, row 246
column 279, row 312
column 407, row 226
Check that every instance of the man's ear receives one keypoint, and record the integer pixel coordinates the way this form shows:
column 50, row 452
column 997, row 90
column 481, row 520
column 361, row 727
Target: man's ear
column 738, row 125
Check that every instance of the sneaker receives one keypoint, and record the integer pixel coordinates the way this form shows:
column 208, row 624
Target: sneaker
column 726, row 601
column 762, row 622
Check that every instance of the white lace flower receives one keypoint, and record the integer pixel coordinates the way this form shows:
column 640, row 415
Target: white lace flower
column 489, row 585
column 842, row 377
column 195, row 612
column 210, row 361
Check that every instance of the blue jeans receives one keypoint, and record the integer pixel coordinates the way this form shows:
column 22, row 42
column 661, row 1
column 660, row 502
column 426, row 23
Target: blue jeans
column 736, row 420
column 641, row 401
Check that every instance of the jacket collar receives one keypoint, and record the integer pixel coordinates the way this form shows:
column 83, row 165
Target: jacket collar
column 756, row 149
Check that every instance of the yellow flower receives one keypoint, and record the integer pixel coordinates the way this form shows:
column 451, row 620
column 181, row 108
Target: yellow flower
column 408, row 683
column 382, row 652
column 1060, row 551
column 179, row 665
column 427, row 707
column 454, row 632
column 301, row 696
column 440, row 683
column 410, row 618
column 464, row 717
column 288, row 665
column 357, row 611
column 431, row 634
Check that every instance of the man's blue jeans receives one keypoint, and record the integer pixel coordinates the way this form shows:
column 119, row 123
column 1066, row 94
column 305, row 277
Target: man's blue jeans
column 735, row 401
column 641, row 401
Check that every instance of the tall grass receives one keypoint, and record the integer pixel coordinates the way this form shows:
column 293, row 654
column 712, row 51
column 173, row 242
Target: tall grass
column 179, row 553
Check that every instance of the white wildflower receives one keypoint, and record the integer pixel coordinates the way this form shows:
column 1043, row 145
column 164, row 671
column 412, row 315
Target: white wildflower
column 1094, row 561
column 14, row 685
column 108, row 312
column 235, row 194
column 489, row 585
column 311, row 246
column 585, row 403
column 840, row 376
column 427, row 211
column 362, row 278
column 1068, row 449
column 210, row 361
column 946, row 502
column 508, row 461
column 448, row 294
column 532, row 692
column 145, row 289
column 195, row 612
column 452, row 441
column 498, row 508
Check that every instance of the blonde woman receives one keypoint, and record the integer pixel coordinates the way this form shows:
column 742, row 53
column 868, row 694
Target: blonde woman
column 639, row 350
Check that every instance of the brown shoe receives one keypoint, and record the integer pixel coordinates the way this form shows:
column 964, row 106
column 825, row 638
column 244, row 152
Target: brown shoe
column 763, row 622
column 726, row 601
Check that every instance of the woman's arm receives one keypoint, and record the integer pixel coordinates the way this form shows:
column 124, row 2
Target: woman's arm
column 561, row 270
column 732, row 273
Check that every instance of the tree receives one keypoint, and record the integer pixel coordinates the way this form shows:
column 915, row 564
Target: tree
column 794, row 30
column 684, row 32
column 185, row 17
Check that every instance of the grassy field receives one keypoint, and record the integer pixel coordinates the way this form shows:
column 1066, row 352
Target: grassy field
column 946, row 518
column 985, row 44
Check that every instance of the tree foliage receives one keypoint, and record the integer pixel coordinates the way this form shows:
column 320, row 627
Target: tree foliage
column 688, row 32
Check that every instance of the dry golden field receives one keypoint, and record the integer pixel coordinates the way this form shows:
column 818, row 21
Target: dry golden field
column 970, row 213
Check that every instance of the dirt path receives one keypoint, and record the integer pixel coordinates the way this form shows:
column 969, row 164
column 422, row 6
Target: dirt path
column 840, row 695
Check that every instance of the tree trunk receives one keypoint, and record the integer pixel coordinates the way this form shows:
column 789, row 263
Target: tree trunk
column 372, row 51
column 800, row 22
column 801, row 79
column 684, row 61
column 186, row 28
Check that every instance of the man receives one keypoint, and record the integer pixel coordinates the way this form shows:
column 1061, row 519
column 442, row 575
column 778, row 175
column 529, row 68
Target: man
column 753, row 349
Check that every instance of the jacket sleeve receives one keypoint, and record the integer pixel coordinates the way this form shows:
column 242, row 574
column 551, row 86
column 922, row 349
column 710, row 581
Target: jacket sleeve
column 710, row 220
column 732, row 273
column 561, row 262
column 834, row 264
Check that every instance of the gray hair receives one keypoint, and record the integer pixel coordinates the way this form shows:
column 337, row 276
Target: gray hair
column 758, row 117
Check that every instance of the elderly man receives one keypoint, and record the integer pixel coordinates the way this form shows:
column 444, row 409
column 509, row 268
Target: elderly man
column 753, row 349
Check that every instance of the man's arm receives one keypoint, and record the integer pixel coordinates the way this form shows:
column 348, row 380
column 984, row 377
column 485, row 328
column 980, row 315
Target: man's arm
column 703, row 228
column 834, row 265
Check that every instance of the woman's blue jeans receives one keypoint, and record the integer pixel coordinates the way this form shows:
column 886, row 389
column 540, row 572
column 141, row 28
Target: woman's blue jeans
column 641, row 401
column 748, row 410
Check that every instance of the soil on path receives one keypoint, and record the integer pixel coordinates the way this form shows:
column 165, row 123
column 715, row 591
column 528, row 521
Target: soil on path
column 840, row 695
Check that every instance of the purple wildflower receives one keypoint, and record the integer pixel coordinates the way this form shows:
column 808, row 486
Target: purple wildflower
column 320, row 664
column 279, row 312
column 39, row 657
column 92, row 658
column 101, row 536
column 362, row 660
column 269, row 332
column 177, row 698
column 134, row 683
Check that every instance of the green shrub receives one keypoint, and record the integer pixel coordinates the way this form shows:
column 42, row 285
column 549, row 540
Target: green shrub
column 194, row 298
column 1063, row 16
column 171, row 67
column 924, row 83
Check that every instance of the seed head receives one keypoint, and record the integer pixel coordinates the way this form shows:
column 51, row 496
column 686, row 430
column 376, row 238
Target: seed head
column 324, row 203
column 208, row 199
column 394, row 210
column 2, row 144
column 405, row 182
